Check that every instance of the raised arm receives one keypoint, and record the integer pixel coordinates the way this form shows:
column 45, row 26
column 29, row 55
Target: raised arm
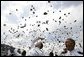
column 35, row 40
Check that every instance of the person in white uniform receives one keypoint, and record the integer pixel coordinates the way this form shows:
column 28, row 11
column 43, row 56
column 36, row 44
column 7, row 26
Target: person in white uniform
column 70, row 49
column 36, row 49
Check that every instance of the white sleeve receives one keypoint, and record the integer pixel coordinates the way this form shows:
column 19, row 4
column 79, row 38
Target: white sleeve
column 33, row 41
column 80, row 49
column 30, row 53
column 34, row 52
column 43, row 53
column 59, row 53
column 9, row 52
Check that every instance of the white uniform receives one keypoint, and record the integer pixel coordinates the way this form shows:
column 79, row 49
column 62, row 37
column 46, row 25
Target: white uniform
column 35, row 52
column 72, row 53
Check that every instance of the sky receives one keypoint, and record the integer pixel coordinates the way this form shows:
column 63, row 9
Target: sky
column 16, row 14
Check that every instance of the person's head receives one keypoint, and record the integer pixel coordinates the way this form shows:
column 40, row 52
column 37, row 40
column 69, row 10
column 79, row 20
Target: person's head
column 24, row 53
column 51, row 54
column 70, row 44
column 39, row 45
column 19, row 51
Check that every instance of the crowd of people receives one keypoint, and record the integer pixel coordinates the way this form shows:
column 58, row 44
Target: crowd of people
column 36, row 49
